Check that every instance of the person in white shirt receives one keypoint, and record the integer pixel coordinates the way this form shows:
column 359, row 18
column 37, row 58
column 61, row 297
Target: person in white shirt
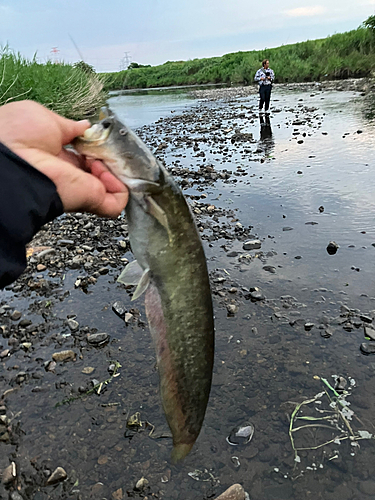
column 265, row 76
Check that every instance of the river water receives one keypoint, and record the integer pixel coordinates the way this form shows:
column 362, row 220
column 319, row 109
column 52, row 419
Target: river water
column 306, row 179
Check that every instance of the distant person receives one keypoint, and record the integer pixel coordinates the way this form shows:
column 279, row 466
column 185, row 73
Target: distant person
column 265, row 77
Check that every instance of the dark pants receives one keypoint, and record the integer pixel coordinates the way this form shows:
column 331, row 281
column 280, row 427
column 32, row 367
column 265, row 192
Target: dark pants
column 265, row 96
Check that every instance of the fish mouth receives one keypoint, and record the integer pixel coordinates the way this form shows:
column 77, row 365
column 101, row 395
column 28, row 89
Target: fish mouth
column 99, row 132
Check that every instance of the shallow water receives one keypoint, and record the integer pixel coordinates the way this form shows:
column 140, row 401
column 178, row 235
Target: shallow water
column 267, row 361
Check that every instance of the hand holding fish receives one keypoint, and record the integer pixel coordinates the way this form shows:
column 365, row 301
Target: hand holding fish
column 38, row 135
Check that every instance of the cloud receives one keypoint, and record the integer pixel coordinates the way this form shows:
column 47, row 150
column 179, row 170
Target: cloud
column 314, row 10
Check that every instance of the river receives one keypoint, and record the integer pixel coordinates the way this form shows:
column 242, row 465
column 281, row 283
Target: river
column 296, row 182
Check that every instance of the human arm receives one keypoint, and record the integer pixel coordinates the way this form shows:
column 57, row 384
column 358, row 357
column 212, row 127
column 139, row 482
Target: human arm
column 259, row 76
column 39, row 179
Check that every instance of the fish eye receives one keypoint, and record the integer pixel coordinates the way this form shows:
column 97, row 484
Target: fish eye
column 106, row 124
column 123, row 131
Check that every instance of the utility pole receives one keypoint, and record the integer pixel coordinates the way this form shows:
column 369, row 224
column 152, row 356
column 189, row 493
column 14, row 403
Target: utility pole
column 125, row 61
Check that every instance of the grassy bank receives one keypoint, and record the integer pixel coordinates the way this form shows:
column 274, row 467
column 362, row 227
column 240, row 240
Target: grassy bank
column 68, row 90
column 343, row 55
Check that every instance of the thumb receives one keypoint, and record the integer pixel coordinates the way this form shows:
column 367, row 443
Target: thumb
column 70, row 129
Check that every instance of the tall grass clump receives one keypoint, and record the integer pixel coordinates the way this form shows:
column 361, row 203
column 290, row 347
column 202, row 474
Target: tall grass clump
column 342, row 55
column 70, row 91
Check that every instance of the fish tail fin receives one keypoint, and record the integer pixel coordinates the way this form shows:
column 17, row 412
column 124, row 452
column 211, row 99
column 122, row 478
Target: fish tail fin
column 180, row 451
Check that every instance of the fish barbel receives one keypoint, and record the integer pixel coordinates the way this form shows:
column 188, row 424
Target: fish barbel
column 171, row 268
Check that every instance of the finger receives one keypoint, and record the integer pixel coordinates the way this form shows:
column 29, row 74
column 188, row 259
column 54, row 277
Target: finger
column 112, row 205
column 70, row 129
column 112, row 184
column 73, row 158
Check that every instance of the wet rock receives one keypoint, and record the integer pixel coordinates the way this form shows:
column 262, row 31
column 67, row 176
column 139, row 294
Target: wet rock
column 15, row 496
column 128, row 317
column 103, row 270
column 340, row 384
column 118, row 494
column 369, row 332
column 73, row 325
column 252, row 245
column 15, row 316
column 368, row 347
column 256, row 296
column 270, row 269
column 327, row 333
column 9, row 474
column 287, row 228
column 332, row 247
column 232, row 309
column 57, row 476
column 141, row 484
column 119, row 309
column 88, row 370
column 63, row 356
column 321, row 209
column 241, row 434
column 235, row 492
column 365, row 319
column 97, row 339
column 309, row 326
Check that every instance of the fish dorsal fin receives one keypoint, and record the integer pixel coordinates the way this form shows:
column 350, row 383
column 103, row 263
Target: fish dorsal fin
column 156, row 211
column 133, row 274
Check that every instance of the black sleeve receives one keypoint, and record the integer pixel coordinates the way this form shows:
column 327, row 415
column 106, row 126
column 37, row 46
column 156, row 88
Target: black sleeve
column 28, row 200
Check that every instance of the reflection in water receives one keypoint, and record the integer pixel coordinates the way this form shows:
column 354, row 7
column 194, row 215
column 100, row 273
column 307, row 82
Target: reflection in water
column 266, row 142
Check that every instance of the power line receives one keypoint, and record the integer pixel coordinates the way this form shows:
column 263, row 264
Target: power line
column 125, row 61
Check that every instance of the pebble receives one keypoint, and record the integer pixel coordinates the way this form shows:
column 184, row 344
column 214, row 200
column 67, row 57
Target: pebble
column 15, row 496
column 368, row 347
column 97, row 338
column 119, row 309
column 232, row 309
column 63, row 356
column 41, row 267
column 252, row 245
column 257, row 296
column 141, row 484
column 88, row 370
column 235, row 492
column 369, row 332
column 128, row 317
column 270, row 269
column 15, row 316
column 9, row 474
column 118, row 494
column 332, row 247
column 102, row 460
column 57, row 476
column 73, row 325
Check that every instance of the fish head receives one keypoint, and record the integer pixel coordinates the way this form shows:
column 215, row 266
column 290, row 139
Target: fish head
column 119, row 148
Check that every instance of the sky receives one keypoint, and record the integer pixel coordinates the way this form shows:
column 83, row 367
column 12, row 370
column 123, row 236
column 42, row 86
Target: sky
column 107, row 34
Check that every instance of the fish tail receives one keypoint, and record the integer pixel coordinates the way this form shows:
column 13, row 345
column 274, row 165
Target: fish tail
column 180, row 451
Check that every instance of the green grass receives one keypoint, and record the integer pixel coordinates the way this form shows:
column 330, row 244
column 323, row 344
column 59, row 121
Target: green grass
column 343, row 55
column 65, row 89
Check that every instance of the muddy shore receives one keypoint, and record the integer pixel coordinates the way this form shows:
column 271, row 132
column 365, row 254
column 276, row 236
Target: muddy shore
column 76, row 361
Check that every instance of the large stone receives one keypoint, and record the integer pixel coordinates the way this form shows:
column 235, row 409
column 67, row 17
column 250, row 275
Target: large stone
column 9, row 474
column 235, row 492
column 252, row 245
column 63, row 356
column 57, row 476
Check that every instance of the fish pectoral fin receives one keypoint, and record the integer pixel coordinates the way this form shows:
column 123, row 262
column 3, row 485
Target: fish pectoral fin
column 142, row 285
column 156, row 211
column 133, row 274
